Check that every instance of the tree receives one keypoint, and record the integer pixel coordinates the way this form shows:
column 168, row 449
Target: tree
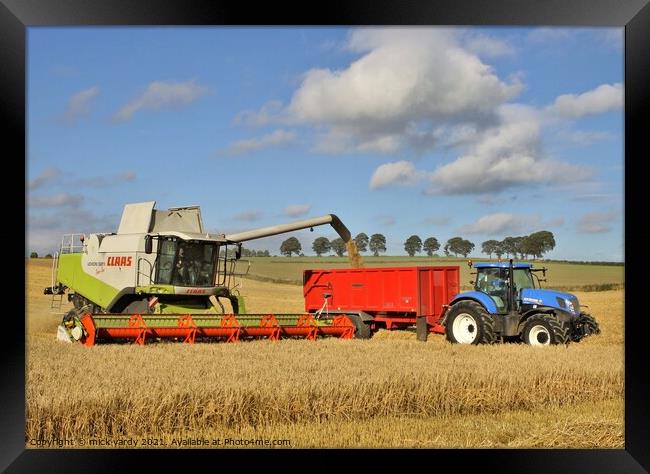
column 49, row 255
column 498, row 250
column 321, row 245
column 413, row 245
column 518, row 247
column 377, row 244
column 289, row 246
column 33, row 255
column 338, row 246
column 430, row 246
column 362, row 242
column 490, row 246
column 538, row 243
column 508, row 246
column 458, row 245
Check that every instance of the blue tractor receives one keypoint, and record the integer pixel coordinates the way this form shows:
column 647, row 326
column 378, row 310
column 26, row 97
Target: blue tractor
column 506, row 304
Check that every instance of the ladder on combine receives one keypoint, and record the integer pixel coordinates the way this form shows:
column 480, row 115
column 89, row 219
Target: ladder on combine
column 67, row 246
column 57, row 298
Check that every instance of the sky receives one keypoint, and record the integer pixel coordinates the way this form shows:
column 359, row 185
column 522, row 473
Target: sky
column 475, row 132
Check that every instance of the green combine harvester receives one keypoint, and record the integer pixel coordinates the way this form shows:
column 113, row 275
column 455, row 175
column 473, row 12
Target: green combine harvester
column 162, row 277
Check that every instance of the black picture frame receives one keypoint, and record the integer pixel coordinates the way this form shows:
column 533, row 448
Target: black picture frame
column 17, row 15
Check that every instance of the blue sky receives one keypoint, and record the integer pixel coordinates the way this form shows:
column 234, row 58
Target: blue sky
column 478, row 132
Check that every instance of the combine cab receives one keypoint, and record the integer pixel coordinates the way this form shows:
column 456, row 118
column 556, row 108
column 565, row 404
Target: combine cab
column 161, row 276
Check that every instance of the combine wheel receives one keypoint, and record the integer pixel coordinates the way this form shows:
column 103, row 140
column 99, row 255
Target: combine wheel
column 137, row 307
column 469, row 323
column 362, row 329
column 544, row 330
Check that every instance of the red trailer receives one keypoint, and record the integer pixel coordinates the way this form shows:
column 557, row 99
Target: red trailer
column 383, row 297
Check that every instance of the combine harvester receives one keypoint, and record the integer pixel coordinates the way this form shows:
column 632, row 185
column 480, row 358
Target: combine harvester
column 161, row 277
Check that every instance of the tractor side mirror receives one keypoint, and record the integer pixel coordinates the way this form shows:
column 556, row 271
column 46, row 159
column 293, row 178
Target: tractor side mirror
column 148, row 244
column 238, row 252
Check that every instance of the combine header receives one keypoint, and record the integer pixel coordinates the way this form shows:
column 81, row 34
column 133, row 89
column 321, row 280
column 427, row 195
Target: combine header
column 161, row 277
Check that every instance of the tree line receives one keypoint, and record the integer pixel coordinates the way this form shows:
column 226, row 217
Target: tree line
column 535, row 245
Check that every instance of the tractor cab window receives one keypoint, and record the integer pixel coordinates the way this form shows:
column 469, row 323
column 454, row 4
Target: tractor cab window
column 184, row 263
column 493, row 282
column 523, row 279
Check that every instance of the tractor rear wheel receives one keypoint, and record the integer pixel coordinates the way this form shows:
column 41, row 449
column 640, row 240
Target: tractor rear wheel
column 469, row 323
column 544, row 330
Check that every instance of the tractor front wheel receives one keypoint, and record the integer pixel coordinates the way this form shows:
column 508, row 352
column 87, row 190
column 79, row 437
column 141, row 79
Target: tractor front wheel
column 544, row 330
column 583, row 326
column 469, row 323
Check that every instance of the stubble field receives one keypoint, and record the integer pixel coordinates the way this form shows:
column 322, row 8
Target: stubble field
column 389, row 391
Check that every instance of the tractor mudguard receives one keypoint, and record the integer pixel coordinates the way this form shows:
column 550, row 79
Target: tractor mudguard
column 484, row 299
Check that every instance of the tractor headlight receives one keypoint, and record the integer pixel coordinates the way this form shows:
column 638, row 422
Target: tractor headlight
column 569, row 306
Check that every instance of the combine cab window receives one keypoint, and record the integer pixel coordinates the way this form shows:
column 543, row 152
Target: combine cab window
column 166, row 261
column 183, row 263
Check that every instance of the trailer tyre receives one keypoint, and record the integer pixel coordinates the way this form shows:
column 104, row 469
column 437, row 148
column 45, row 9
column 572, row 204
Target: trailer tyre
column 468, row 322
column 544, row 330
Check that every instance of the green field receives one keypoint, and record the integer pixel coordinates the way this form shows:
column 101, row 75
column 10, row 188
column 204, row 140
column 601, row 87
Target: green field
column 567, row 276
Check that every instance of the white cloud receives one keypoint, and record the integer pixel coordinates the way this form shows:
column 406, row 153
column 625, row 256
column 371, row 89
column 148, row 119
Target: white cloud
column 507, row 155
column 397, row 173
column 276, row 138
column 437, row 220
column 596, row 222
column 487, row 46
column 493, row 224
column 271, row 112
column 249, row 216
column 604, row 98
column 402, row 77
column 297, row 210
column 587, row 138
column 56, row 200
column 387, row 220
column 44, row 178
column 613, row 38
column 161, row 94
column 545, row 35
column 502, row 223
column 80, row 104
column 44, row 231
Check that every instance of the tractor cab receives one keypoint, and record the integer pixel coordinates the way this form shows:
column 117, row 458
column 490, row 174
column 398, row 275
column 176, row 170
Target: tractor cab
column 493, row 278
column 505, row 302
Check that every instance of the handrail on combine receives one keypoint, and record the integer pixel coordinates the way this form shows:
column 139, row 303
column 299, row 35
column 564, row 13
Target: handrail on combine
column 140, row 272
column 68, row 243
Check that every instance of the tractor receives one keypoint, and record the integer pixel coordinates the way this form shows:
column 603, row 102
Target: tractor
column 507, row 305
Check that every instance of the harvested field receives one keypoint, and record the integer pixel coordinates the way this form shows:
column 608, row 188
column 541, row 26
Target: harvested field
column 389, row 391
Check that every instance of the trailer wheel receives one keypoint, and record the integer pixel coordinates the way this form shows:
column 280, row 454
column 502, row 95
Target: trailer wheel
column 544, row 330
column 469, row 323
